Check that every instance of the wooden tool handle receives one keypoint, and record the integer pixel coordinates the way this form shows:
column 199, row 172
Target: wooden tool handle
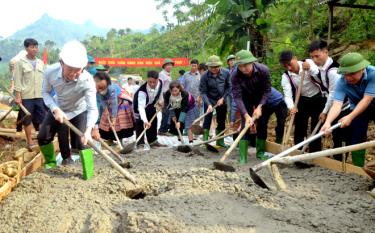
column 317, row 127
column 21, row 105
column 214, row 139
column 324, row 153
column 234, row 144
column 179, row 133
column 120, row 169
column 205, row 114
column 111, row 150
column 298, row 95
column 114, row 132
column 144, row 131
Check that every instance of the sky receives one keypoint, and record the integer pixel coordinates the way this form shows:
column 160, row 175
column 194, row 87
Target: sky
column 134, row 14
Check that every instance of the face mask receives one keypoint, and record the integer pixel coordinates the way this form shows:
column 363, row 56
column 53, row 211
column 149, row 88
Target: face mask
column 103, row 92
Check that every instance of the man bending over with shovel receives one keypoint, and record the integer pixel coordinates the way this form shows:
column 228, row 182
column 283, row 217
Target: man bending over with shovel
column 358, row 84
column 75, row 100
column 251, row 89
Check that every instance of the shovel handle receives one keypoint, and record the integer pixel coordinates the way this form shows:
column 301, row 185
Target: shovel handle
column 114, row 132
column 205, row 114
column 234, row 144
column 214, row 139
column 13, row 97
column 144, row 131
column 179, row 133
column 291, row 121
column 6, row 114
column 293, row 148
column 324, row 153
column 111, row 150
column 317, row 127
column 120, row 169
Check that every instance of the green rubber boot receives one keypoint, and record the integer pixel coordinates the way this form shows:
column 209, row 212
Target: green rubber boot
column 87, row 160
column 261, row 145
column 220, row 142
column 206, row 133
column 244, row 145
column 48, row 152
column 358, row 157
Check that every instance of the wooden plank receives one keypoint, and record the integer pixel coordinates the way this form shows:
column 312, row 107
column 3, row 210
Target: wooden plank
column 325, row 162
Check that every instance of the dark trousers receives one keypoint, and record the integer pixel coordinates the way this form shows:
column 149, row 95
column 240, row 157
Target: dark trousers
column 359, row 126
column 221, row 115
column 37, row 110
column 341, row 135
column 152, row 132
column 164, row 125
column 308, row 107
column 50, row 127
column 281, row 112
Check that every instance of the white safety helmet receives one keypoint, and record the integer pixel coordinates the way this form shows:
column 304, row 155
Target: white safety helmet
column 74, row 54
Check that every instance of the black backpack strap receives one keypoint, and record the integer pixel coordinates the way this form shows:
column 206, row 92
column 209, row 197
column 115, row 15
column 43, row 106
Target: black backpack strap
column 294, row 88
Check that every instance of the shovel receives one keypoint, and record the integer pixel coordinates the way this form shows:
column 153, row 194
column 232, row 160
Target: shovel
column 123, row 163
column 130, row 147
column 138, row 191
column 181, row 149
column 5, row 115
column 27, row 113
column 256, row 178
column 325, row 153
column 298, row 95
column 196, row 128
column 225, row 167
column 115, row 133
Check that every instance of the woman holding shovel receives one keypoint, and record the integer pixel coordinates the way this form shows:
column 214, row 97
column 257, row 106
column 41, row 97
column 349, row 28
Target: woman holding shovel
column 251, row 89
column 182, row 107
column 117, row 107
column 75, row 101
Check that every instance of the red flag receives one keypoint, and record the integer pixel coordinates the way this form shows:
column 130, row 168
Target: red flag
column 45, row 56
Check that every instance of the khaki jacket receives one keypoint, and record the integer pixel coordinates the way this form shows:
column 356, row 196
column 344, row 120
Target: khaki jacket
column 28, row 80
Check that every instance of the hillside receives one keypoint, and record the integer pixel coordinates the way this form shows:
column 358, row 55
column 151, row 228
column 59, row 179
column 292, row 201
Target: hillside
column 58, row 31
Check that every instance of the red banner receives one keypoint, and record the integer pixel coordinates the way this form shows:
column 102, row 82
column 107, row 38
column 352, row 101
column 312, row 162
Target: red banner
column 140, row 62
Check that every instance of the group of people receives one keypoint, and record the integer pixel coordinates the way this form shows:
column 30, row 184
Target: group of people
column 242, row 92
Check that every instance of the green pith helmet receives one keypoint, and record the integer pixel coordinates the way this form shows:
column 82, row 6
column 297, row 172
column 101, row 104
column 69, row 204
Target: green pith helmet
column 214, row 61
column 244, row 57
column 167, row 61
column 100, row 68
column 351, row 63
column 231, row 57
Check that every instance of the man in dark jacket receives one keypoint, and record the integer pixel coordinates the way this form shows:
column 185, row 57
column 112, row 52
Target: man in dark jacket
column 251, row 89
column 215, row 86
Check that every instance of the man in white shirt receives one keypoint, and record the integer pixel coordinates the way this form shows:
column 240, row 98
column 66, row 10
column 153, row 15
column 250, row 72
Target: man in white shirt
column 166, row 78
column 75, row 100
column 311, row 102
column 147, row 100
column 327, row 79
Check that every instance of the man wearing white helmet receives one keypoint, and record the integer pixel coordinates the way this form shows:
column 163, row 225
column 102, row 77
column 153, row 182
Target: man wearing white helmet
column 75, row 100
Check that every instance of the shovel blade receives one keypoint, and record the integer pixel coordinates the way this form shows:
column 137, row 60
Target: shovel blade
column 224, row 167
column 197, row 129
column 212, row 148
column 128, row 148
column 184, row 148
column 257, row 180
